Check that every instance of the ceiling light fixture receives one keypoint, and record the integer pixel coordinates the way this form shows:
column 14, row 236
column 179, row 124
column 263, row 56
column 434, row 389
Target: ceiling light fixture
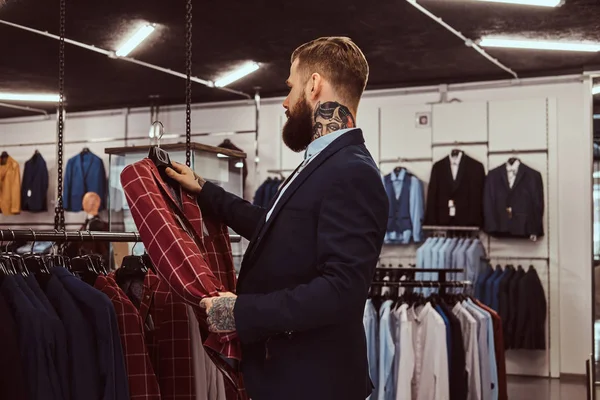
column 540, row 3
column 595, row 90
column 138, row 37
column 239, row 73
column 513, row 43
column 31, row 97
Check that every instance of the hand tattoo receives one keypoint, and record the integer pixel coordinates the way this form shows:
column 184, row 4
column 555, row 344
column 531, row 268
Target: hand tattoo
column 330, row 117
column 220, row 315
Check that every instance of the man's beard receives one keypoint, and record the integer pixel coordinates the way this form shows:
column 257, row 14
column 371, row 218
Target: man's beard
column 298, row 129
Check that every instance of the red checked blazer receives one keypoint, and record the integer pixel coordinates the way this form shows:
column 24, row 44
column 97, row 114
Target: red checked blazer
column 143, row 384
column 191, row 254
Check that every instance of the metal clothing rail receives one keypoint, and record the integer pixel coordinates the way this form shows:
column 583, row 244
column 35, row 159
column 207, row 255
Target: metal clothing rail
column 446, row 144
column 415, row 269
column 424, row 284
column 517, row 152
column 499, row 258
column 171, row 136
column 77, row 236
column 450, row 228
column 401, row 159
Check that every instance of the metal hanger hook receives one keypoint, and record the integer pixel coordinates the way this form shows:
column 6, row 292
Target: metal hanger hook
column 33, row 243
column 161, row 131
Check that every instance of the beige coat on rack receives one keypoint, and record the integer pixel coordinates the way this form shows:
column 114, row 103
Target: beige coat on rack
column 10, row 187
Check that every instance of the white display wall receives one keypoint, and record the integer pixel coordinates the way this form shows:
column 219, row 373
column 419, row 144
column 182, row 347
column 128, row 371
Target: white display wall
column 551, row 119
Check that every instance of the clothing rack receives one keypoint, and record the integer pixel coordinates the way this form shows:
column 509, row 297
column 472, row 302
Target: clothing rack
column 425, row 284
column 500, row 258
column 401, row 159
column 451, row 228
column 77, row 236
column 447, row 144
column 517, row 152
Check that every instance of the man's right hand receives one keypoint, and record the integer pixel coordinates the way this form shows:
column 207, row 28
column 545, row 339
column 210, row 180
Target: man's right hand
column 186, row 177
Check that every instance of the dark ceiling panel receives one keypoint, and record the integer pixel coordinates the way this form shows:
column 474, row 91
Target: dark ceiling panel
column 404, row 47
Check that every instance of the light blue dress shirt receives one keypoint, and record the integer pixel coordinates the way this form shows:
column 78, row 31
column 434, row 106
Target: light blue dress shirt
column 417, row 209
column 422, row 255
column 461, row 259
column 370, row 322
column 490, row 392
column 474, row 262
column 313, row 149
column 386, row 353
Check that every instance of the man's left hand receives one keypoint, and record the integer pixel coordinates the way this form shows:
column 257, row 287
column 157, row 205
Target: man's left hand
column 220, row 312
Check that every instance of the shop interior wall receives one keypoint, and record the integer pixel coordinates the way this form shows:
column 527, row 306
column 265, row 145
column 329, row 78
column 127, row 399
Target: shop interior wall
column 548, row 117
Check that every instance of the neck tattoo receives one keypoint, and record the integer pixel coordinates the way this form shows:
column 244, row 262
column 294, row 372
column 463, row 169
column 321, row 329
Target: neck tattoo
column 329, row 117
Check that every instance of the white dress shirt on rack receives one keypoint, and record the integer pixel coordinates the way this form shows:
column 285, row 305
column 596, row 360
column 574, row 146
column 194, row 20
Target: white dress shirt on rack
column 484, row 351
column 512, row 171
column 468, row 325
column 406, row 362
column 455, row 164
column 430, row 380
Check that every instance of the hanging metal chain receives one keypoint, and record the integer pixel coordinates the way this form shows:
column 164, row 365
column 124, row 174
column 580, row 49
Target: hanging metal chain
column 188, row 89
column 59, row 216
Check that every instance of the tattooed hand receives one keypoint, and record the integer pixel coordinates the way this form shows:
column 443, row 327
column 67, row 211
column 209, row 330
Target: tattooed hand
column 220, row 312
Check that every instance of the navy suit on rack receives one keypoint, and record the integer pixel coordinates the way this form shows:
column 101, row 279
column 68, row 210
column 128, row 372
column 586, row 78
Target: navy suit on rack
column 85, row 173
column 305, row 276
column 34, row 188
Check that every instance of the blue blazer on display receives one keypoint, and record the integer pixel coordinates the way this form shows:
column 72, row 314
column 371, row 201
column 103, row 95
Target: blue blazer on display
column 305, row 277
column 85, row 173
column 34, row 188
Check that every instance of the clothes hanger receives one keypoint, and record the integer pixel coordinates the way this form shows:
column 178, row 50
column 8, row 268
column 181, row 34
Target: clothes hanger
column 83, row 267
column 35, row 263
column 159, row 156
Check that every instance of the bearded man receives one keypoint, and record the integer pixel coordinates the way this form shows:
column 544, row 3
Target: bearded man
column 298, row 310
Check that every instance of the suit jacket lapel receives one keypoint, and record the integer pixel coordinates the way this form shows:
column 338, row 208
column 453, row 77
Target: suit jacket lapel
column 349, row 138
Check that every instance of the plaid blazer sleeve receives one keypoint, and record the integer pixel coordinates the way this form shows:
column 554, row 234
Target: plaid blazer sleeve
column 194, row 264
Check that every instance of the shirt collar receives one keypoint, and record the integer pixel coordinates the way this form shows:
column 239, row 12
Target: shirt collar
column 456, row 160
column 514, row 167
column 400, row 176
column 318, row 145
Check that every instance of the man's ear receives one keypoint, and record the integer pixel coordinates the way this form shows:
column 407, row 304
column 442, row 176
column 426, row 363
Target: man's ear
column 315, row 86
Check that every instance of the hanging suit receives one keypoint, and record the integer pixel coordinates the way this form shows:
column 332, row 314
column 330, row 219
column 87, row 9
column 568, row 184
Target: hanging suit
column 516, row 211
column 465, row 192
column 34, row 189
column 191, row 253
column 10, row 187
column 85, row 173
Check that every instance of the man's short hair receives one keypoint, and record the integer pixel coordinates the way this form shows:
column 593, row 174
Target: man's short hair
column 340, row 61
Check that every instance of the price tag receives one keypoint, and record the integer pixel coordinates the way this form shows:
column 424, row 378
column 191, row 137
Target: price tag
column 509, row 212
column 451, row 208
column 29, row 193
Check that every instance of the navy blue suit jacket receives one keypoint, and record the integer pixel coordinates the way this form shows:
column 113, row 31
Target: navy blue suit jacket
column 305, row 276
column 34, row 343
column 85, row 173
column 34, row 187
column 101, row 316
column 525, row 200
column 83, row 365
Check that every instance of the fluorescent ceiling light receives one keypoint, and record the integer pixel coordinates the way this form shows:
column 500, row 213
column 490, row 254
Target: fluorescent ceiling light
column 137, row 38
column 513, row 43
column 239, row 164
column 239, row 73
column 596, row 90
column 221, row 155
column 541, row 3
column 32, row 97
